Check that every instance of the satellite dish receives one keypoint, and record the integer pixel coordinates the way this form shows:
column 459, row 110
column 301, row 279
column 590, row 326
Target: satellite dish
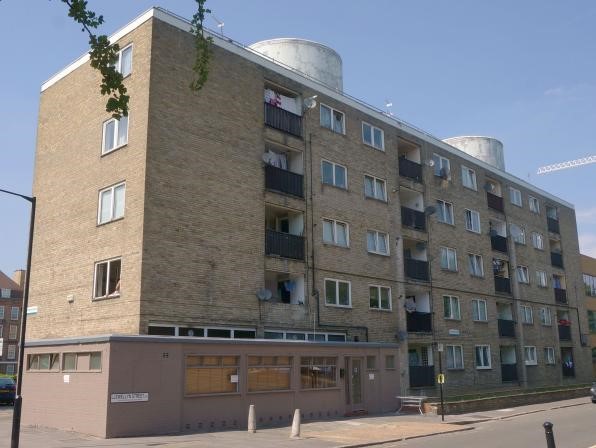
column 430, row 210
column 431, row 163
column 264, row 294
column 310, row 102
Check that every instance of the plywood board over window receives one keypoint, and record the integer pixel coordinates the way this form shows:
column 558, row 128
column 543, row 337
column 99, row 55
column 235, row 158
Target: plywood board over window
column 211, row 374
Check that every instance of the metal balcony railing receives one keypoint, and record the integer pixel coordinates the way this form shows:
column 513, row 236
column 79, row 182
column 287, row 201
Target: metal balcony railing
column 422, row 376
column 495, row 202
column 284, row 245
column 416, row 269
column 556, row 260
column 281, row 119
column 508, row 372
column 284, row 181
column 418, row 322
column 560, row 295
column 506, row 328
column 568, row 371
column 502, row 284
column 498, row 242
column 564, row 333
column 409, row 169
column 552, row 224
column 413, row 218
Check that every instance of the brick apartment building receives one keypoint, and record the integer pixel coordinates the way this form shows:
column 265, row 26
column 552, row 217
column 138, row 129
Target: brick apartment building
column 589, row 272
column 272, row 206
column 11, row 296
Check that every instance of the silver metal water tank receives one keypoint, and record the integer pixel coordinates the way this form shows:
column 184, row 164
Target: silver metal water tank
column 487, row 149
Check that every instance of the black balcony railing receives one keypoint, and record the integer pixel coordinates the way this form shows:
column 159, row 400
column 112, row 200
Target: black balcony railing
column 418, row 322
column 281, row 119
column 410, row 169
column 564, row 333
column 552, row 224
column 502, row 284
column 508, row 372
column 422, row 376
column 506, row 328
column 413, row 218
column 498, row 242
column 568, row 371
column 284, row 244
column 416, row 269
column 560, row 295
column 495, row 202
column 556, row 260
column 284, row 181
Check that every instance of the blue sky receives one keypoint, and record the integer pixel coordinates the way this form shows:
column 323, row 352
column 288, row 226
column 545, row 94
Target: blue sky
column 523, row 72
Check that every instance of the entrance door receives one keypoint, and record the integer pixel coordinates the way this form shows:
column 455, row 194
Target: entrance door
column 353, row 383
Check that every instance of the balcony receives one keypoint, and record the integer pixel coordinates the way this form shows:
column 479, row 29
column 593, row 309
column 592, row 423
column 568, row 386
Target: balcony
column 506, row 328
column 568, row 372
column 416, row 269
column 281, row 119
column 422, row 376
column 552, row 224
column 284, row 245
column 495, row 202
column 409, row 169
column 560, row 295
column 498, row 242
column 284, row 181
column 418, row 322
column 508, row 372
column 413, row 218
column 564, row 333
column 503, row 285
column 556, row 260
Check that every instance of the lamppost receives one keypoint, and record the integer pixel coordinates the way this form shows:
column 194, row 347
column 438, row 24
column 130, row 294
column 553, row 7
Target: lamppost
column 16, row 415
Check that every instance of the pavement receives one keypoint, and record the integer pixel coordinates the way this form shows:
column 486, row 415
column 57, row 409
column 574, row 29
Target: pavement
column 347, row 432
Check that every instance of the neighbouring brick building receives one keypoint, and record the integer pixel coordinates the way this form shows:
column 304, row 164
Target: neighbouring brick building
column 589, row 273
column 11, row 297
column 272, row 206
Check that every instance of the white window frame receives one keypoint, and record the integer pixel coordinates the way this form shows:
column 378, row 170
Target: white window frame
column 522, row 274
column 372, row 135
column 515, row 197
column 530, row 355
column 95, row 269
column 546, row 317
column 527, row 316
column 534, row 204
column 538, row 240
column 115, row 146
column 334, row 223
column 375, row 194
column 5, row 293
column 378, row 234
column 476, row 260
column 444, row 207
column 11, row 352
column 112, row 191
column 452, row 300
column 337, row 282
column 456, row 355
column 483, row 347
column 549, row 355
column 472, row 214
column 13, row 331
column 334, row 165
column 440, row 163
column 118, row 64
column 380, row 307
column 468, row 178
column 478, row 307
column 448, row 250
column 541, row 279
column 14, row 313
column 518, row 234
column 332, row 111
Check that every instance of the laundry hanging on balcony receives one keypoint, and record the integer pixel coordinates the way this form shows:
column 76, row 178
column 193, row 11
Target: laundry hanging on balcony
column 284, row 102
column 275, row 159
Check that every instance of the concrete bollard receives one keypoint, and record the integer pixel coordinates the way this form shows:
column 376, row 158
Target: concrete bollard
column 252, row 419
column 296, row 425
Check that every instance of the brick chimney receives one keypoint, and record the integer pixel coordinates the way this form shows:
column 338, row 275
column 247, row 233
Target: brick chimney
column 19, row 278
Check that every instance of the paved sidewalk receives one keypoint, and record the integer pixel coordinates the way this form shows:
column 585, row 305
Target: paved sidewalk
column 352, row 432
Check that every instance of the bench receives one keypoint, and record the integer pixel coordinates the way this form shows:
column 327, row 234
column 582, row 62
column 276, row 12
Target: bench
column 410, row 402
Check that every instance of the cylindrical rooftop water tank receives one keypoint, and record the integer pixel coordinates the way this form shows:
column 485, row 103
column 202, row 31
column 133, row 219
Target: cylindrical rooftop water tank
column 487, row 149
column 312, row 58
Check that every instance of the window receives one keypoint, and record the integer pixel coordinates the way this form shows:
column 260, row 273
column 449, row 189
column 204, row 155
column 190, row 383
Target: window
column 515, row 196
column 267, row 373
column 442, row 167
column 1, row 312
column 318, row 372
column 371, row 363
column 111, row 203
column 335, row 232
column 332, row 119
column 541, row 279
column 445, row 212
column 545, row 316
column 337, row 293
column 380, row 297
column 534, row 204
column 43, row 361
column 12, row 332
column 476, row 265
column 334, row 174
column 530, row 355
column 82, row 361
column 552, row 213
column 5, row 293
column 373, row 136
column 124, row 62
column 483, row 357
column 468, row 178
column 375, row 188
column 526, row 314
column 538, row 240
column 591, row 321
column 11, row 352
column 107, row 278
column 1, row 334
column 549, row 355
column 479, row 313
column 590, row 285
column 455, row 357
column 451, row 308
column 389, row 362
column 472, row 221
column 10, row 369
column 448, row 259
column 115, row 134
column 522, row 274
column 14, row 313
column 517, row 233
column 211, row 374
column 377, row 242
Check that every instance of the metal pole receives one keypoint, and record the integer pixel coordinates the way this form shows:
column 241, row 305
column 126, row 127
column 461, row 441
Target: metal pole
column 550, row 437
column 441, row 386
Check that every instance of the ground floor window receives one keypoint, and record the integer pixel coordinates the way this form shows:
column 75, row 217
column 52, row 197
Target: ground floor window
column 211, row 374
column 267, row 373
column 455, row 357
column 304, row 336
column 43, row 361
column 318, row 372
column 82, row 361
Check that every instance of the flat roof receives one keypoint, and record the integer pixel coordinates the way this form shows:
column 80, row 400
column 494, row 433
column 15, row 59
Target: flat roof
column 302, row 78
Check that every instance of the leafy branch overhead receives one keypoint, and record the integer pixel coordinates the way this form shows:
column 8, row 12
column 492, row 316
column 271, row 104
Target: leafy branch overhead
column 202, row 47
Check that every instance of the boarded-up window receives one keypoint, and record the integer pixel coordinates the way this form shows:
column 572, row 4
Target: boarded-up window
column 269, row 373
column 211, row 374
column 318, row 372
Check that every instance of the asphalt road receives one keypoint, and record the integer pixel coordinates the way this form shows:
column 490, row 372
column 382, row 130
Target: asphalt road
column 574, row 427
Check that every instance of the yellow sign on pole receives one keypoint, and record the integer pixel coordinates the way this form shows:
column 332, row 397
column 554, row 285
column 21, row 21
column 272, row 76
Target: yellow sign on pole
column 441, row 378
